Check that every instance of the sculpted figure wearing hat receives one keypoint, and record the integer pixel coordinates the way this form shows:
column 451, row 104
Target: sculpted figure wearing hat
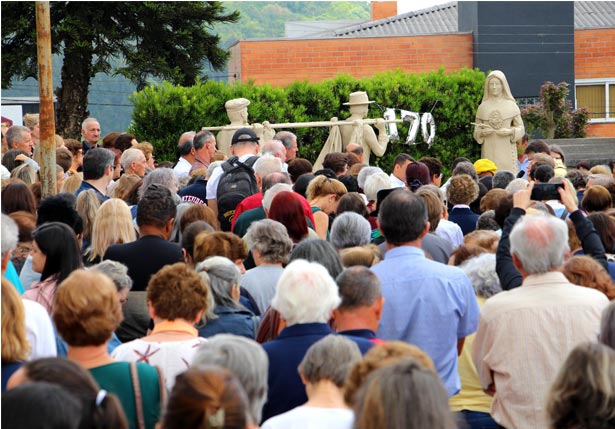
column 498, row 123
column 237, row 111
column 360, row 133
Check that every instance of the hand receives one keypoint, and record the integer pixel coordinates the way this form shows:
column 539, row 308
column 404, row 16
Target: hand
column 21, row 157
column 565, row 195
column 487, row 131
column 380, row 125
column 490, row 390
column 258, row 128
column 522, row 199
column 504, row 132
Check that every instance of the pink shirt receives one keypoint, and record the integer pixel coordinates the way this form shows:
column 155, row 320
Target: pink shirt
column 43, row 292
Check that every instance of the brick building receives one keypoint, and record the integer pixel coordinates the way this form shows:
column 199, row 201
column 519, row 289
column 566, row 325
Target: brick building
column 566, row 42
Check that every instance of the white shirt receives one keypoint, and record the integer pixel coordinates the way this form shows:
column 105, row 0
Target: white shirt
column 39, row 331
column 312, row 418
column 214, row 180
column 450, row 231
column 396, row 183
column 182, row 168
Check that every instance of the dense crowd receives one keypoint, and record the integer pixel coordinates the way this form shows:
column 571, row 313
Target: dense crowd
column 243, row 289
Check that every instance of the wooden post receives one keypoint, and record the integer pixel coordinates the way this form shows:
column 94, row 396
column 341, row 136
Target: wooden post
column 45, row 88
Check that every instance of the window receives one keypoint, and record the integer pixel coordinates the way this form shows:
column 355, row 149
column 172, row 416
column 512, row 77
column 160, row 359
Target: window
column 597, row 96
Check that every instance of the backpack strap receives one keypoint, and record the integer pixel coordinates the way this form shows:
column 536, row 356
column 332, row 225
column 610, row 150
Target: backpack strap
column 251, row 161
column 138, row 397
column 162, row 385
column 229, row 164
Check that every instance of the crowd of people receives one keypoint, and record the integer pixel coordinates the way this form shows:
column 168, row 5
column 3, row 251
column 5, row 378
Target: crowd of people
column 244, row 289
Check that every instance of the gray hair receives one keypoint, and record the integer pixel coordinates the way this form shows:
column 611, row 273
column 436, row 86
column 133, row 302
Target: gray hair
column 10, row 234
column 201, row 138
column 246, row 359
column 607, row 326
column 330, row 359
column 130, row 155
column 116, row 271
column 271, row 240
column 539, row 242
column 223, row 274
column 374, row 183
column 516, row 186
column 273, row 191
column 162, row 176
column 25, row 173
column 502, row 178
column 350, row 229
column 481, row 272
column 286, row 137
column 13, row 135
column 267, row 164
column 359, row 287
column 274, row 147
column 365, row 173
column 465, row 167
column 486, row 221
column 84, row 124
column 300, row 282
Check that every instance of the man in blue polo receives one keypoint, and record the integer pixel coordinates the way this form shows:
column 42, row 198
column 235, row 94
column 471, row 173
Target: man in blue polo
column 426, row 303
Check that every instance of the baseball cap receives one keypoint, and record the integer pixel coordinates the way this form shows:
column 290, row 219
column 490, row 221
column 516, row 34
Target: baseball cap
column 244, row 135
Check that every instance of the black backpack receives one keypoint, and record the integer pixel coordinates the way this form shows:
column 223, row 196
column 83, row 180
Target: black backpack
column 236, row 183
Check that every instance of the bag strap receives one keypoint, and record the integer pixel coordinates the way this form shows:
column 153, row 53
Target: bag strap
column 138, row 397
column 564, row 215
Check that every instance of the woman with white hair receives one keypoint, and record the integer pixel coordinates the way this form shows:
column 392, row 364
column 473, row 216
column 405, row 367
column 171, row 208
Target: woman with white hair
column 472, row 403
column 304, row 322
column 228, row 315
column 350, row 229
column 323, row 370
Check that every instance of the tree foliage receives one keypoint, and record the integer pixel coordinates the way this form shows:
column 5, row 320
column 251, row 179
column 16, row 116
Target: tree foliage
column 167, row 40
column 553, row 116
column 162, row 113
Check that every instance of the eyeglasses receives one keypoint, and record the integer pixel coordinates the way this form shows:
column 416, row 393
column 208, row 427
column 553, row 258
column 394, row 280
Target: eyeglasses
column 23, row 250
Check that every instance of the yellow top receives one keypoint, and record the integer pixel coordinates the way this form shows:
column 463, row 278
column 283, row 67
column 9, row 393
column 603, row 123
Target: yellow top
column 471, row 397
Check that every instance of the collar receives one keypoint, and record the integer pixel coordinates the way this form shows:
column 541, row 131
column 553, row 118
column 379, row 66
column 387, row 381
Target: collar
column 461, row 206
column 175, row 325
column 546, row 279
column 361, row 333
column 303, row 329
column 402, row 251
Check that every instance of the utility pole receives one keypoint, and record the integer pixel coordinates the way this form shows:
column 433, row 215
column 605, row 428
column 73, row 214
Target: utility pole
column 45, row 89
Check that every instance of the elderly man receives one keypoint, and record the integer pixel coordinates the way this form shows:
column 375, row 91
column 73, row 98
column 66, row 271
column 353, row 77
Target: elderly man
column 133, row 162
column 204, row 144
column 525, row 334
column 289, row 140
column 305, row 321
column 185, row 149
column 90, row 132
column 362, row 303
column 98, row 171
column 427, row 303
column 18, row 137
column 276, row 149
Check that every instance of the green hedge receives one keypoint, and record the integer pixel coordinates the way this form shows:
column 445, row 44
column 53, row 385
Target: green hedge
column 163, row 112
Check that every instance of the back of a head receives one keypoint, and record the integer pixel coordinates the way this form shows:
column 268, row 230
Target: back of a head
column 287, row 208
column 462, row 189
column 87, row 310
column 321, row 251
column 350, row 229
column 298, row 167
column 585, row 271
column 266, row 165
column 466, row 167
column 160, row 176
column 605, row 227
column 299, row 283
column 433, row 204
column 55, row 407
column 375, row 183
column 9, row 234
column 206, row 398
column 232, row 352
column 358, row 287
column 417, row 175
column 219, row 243
column 95, row 163
column 272, row 192
column 501, row 179
column 383, row 400
column 583, row 393
column 596, row 199
column 223, row 275
column 99, row 408
column 321, row 186
column 539, row 242
column 272, row 179
column 330, row 358
column 156, row 206
column 60, row 208
column 190, row 233
column 544, row 173
column 270, row 238
column 59, row 245
column 365, row 173
column 481, row 272
column 336, row 161
column 352, row 202
column 402, row 217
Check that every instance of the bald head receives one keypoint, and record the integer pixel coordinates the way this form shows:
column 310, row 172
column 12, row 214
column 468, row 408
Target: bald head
column 275, row 148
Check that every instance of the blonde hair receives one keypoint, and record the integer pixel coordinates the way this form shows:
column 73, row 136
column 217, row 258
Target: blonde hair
column 87, row 206
column 485, row 239
column 147, row 149
column 321, row 186
column 112, row 225
column 30, row 120
column 72, row 183
column 15, row 346
column 125, row 185
column 367, row 256
column 601, row 169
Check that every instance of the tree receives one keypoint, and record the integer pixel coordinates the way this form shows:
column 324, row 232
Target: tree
column 167, row 40
column 553, row 116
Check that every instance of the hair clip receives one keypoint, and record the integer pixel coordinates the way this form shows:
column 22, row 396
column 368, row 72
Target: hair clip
column 216, row 420
column 100, row 397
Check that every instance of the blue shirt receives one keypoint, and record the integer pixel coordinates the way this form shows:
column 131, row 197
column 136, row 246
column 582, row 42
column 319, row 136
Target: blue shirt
column 428, row 304
column 85, row 186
